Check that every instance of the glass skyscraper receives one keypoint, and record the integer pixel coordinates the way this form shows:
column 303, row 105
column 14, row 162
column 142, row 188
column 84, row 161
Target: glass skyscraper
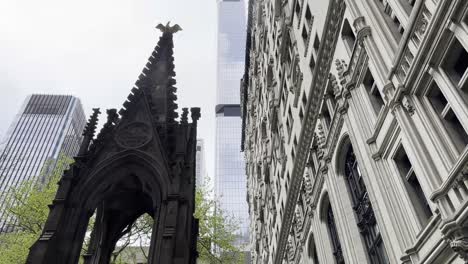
column 230, row 179
column 45, row 127
column 200, row 173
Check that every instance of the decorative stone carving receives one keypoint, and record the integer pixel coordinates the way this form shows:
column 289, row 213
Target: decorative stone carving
column 408, row 105
column 290, row 250
column 334, row 84
column 421, row 24
column 307, row 183
column 458, row 240
column 321, row 140
column 341, row 67
column 460, row 246
column 299, row 217
column 134, row 135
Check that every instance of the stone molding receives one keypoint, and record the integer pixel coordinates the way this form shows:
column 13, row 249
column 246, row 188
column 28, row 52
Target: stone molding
column 330, row 35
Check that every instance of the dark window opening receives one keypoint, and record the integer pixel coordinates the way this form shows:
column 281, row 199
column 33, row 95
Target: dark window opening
column 308, row 15
column 304, row 99
column 312, row 63
column 312, row 250
column 456, row 63
column 305, row 35
column 373, row 92
column 413, row 188
column 326, row 116
column 348, row 36
column 298, row 8
column 449, row 119
column 363, row 209
column 316, row 44
column 336, row 245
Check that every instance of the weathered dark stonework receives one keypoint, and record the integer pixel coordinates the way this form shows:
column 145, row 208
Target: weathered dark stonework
column 142, row 161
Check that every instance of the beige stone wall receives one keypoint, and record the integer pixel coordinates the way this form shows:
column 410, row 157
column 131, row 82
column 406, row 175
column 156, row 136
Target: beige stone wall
column 310, row 67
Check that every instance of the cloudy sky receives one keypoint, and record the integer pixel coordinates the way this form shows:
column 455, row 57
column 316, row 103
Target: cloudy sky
column 95, row 49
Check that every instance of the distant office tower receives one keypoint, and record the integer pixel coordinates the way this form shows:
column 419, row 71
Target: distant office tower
column 230, row 179
column 200, row 163
column 45, row 127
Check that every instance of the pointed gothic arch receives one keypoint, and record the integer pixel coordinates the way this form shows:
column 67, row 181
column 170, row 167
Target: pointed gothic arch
column 348, row 166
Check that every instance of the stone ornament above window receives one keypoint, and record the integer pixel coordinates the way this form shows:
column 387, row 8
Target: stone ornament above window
column 134, row 135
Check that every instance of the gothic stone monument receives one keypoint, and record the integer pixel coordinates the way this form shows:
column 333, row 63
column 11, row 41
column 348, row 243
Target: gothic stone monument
column 142, row 161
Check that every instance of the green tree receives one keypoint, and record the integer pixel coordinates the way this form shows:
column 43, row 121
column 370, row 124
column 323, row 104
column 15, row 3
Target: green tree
column 217, row 231
column 28, row 204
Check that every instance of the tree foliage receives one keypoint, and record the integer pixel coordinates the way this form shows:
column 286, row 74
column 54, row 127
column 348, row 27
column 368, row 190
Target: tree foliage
column 28, row 204
column 217, row 231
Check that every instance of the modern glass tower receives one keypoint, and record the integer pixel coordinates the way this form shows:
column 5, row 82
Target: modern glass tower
column 230, row 179
column 200, row 165
column 45, row 127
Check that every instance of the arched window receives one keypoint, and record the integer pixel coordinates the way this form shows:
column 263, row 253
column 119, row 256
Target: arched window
column 337, row 252
column 363, row 209
column 312, row 250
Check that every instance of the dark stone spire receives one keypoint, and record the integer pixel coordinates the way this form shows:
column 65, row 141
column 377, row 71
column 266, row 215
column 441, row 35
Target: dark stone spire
column 157, row 79
column 112, row 120
column 89, row 132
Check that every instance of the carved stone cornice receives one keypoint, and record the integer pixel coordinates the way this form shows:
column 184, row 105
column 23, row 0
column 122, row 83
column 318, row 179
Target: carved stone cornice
column 330, row 35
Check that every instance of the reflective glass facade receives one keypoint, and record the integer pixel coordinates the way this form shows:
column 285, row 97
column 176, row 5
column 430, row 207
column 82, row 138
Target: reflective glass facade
column 45, row 127
column 230, row 179
column 200, row 166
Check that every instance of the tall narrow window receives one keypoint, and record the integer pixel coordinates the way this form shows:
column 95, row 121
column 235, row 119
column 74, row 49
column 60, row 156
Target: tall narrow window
column 363, row 209
column 445, row 113
column 373, row 91
column 415, row 192
column 316, row 44
column 337, row 252
column 312, row 63
column 326, row 117
column 455, row 65
column 391, row 19
column 312, row 250
column 348, row 36
column 305, row 35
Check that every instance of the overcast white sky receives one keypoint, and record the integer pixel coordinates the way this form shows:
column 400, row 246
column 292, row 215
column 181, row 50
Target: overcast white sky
column 95, row 49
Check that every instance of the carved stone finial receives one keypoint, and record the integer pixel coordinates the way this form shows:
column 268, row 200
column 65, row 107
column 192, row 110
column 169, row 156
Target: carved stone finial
column 89, row 132
column 112, row 116
column 90, row 128
column 195, row 111
column 169, row 29
column 184, row 118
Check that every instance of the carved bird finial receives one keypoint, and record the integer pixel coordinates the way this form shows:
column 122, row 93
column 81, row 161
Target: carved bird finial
column 169, row 29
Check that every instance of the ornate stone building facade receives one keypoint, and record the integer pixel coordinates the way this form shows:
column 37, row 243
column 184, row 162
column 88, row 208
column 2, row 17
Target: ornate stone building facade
column 355, row 131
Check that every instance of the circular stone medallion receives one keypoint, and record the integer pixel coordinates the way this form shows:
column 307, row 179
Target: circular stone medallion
column 134, row 135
